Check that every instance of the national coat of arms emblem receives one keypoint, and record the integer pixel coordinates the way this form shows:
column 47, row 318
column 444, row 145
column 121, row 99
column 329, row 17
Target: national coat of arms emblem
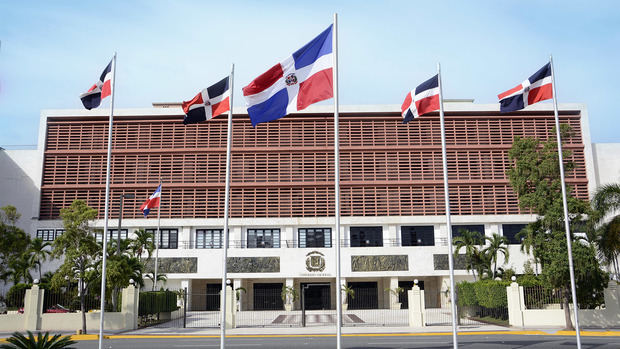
column 315, row 261
column 291, row 79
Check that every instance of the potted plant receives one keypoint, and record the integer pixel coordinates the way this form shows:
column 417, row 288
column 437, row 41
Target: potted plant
column 289, row 296
column 396, row 292
column 238, row 291
column 346, row 292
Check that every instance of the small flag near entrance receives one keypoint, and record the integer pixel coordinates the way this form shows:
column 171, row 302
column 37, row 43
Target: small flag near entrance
column 151, row 202
column 209, row 103
column 100, row 90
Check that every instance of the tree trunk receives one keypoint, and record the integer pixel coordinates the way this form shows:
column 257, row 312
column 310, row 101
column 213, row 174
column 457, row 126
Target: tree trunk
column 82, row 305
column 495, row 269
column 569, row 322
column 114, row 298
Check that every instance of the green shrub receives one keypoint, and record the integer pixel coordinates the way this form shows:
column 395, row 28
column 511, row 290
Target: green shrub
column 41, row 341
column 154, row 302
column 491, row 294
column 465, row 294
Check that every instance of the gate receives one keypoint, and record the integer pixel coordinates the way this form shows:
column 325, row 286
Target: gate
column 194, row 310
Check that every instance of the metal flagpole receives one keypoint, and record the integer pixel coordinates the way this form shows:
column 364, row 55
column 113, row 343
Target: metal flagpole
column 226, row 198
column 564, row 201
column 455, row 343
column 157, row 238
column 107, row 204
column 337, row 185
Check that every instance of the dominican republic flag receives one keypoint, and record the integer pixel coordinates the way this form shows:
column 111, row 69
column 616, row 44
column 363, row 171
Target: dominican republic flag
column 209, row 103
column 300, row 80
column 100, row 90
column 535, row 89
column 424, row 99
column 151, row 202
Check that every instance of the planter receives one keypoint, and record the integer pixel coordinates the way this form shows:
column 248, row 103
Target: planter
column 288, row 307
column 345, row 306
column 395, row 306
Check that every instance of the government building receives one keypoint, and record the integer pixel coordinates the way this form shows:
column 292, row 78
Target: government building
column 282, row 219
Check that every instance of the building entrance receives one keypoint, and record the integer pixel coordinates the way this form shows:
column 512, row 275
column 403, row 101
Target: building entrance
column 316, row 296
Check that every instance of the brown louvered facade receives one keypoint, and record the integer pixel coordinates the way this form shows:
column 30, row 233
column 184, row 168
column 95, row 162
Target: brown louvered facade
column 285, row 168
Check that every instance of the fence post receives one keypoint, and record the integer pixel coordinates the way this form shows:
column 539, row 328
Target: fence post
column 416, row 307
column 514, row 295
column 33, row 308
column 230, row 307
column 184, row 307
column 129, row 307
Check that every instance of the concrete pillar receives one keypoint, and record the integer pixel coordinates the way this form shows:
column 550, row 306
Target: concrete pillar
column 291, row 283
column 189, row 293
column 236, row 286
column 129, row 307
column 33, row 308
column 514, row 294
column 417, row 307
column 393, row 299
column 230, row 307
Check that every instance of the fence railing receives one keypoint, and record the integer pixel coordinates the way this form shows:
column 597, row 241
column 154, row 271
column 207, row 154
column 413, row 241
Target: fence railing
column 539, row 297
column 190, row 245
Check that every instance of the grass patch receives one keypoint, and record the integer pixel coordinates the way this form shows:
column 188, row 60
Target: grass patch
column 490, row 320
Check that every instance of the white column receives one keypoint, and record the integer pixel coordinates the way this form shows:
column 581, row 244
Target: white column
column 392, row 297
column 236, row 285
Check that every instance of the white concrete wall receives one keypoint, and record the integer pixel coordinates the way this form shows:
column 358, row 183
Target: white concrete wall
column 20, row 183
column 606, row 162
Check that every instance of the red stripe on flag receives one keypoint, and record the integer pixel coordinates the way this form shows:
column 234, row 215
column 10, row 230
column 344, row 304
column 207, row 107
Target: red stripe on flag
column 264, row 81
column 195, row 100
column 509, row 92
column 406, row 103
column 221, row 107
column 540, row 94
column 316, row 88
column 427, row 105
column 106, row 89
column 92, row 88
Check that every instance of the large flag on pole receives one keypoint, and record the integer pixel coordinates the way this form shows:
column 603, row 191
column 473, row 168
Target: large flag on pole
column 536, row 88
column 302, row 79
column 100, row 90
column 209, row 103
column 151, row 202
column 423, row 99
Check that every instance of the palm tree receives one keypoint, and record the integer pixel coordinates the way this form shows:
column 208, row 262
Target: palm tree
column 160, row 277
column 606, row 200
column 469, row 240
column 497, row 244
column 38, row 253
column 42, row 341
column 19, row 269
column 143, row 242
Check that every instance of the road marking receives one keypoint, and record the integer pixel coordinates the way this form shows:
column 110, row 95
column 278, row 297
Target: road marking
column 405, row 343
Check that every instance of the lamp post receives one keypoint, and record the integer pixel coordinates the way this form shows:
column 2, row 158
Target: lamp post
column 120, row 219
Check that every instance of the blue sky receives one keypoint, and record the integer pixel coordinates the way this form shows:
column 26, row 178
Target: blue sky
column 169, row 50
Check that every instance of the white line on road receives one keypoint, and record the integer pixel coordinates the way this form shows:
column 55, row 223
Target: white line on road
column 406, row 343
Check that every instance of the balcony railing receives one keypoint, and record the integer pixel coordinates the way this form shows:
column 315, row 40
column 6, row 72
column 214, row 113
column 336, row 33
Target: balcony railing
column 191, row 245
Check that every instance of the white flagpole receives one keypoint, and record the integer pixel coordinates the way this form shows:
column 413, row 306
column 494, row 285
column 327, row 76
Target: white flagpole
column 157, row 238
column 455, row 343
column 107, row 204
column 337, row 185
column 226, row 198
column 564, row 201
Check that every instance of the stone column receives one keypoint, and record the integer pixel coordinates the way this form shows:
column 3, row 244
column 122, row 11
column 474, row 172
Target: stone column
column 230, row 307
column 33, row 308
column 291, row 283
column 393, row 299
column 238, row 302
column 129, row 307
column 514, row 294
column 417, row 307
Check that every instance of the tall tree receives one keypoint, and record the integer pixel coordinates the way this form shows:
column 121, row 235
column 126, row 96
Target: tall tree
column 470, row 240
column 605, row 202
column 79, row 247
column 142, row 242
column 13, row 242
column 497, row 244
column 535, row 178
column 38, row 253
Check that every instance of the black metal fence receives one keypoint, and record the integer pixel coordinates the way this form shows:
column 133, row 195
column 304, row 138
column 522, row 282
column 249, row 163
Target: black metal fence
column 539, row 297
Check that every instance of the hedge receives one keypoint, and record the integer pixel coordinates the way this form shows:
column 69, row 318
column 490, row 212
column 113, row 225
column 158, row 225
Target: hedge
column 466, row 295
column 485, row 293
column 154, row 302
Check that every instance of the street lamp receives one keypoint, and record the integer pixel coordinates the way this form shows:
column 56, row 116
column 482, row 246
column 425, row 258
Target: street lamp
column 120, row 219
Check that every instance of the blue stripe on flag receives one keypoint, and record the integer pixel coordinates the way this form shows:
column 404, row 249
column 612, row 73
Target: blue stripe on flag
column 511, row 103
column 271, row 109
column 427, row 85
column 319, row 46
column 541, row 73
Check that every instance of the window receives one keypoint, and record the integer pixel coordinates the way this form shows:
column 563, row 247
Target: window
column 59, row 232
column 315, row 237
column 417, row 235
column 366, row 236
column 209, row 238
column 510, row 231
column 263, row 238
column 479, row 228
column 113, row 235
column 45, row 234
column 168, row 238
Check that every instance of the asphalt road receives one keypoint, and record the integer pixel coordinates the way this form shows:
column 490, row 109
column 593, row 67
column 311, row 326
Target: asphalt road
column 365, row 341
